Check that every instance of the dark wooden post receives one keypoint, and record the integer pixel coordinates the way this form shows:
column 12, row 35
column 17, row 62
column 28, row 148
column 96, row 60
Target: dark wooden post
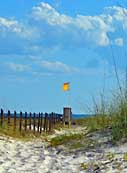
column 14, row 120
column 20, row 122
column 38, row 122
column 34, row 121
column 54, row 119
column 46, row 122
column 59, row 119
column 67, row 115
column 41, row 122
column 50, row 122
column 2, row 113
column 25, row 121
column 8, row 115
column 30, row 121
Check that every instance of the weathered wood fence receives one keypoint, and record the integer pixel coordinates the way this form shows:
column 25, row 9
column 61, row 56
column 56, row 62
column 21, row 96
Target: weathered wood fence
column 36, row 122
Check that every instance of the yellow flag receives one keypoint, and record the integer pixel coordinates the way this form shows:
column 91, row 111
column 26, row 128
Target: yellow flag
column 66, row 86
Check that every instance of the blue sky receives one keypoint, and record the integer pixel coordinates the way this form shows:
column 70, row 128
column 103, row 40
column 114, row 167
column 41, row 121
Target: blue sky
column 46, row 43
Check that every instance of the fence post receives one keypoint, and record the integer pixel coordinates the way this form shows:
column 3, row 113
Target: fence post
column 8, row 117
column 41, row 122
column 25, row 121
column 14, row 120
column 59, row 119
column 46, row 122
column 30, row 121
column 54, row 119
column 50, row 122
column 20, row 122
column 34, row 121
column 1, row 114
column 38, row 122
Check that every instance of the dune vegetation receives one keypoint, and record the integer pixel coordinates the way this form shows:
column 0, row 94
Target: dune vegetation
column 109, row 115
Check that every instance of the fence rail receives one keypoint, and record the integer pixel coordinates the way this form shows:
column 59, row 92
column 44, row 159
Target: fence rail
column 35, row 122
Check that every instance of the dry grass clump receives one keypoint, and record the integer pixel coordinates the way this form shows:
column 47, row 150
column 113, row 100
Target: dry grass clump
column 112, row 115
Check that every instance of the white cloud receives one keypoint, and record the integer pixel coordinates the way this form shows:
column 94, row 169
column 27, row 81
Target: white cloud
column 57, row 67
column 46, row 33
column 16, row 36
column 11, row 24
column 46, row 28
column 45, row 12
column 94, row 28
column 18, row 67
column 118, row 13
column 14, row 26
column 119, row 17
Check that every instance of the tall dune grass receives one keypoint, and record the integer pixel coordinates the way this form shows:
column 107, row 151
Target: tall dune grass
column 110, row 114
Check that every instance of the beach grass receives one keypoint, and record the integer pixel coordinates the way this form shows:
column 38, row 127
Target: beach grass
column 109, row 116
column 63, row 139
column 10, row 131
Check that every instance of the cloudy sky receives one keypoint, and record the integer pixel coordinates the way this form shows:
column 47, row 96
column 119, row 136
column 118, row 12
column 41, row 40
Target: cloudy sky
column 46, row 43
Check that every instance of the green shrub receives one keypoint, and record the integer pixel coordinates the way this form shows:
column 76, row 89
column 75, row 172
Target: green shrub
column 59, row 140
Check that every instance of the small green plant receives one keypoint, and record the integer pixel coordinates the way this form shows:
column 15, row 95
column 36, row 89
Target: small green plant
column 84, row 166
column 59, row 140
column 110, row 156
column 125, row 157
column 76, row 145
column 117, row 134
column 96, row 122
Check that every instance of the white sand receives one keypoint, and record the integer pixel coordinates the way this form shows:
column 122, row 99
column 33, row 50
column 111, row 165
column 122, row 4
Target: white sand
column 38, row 157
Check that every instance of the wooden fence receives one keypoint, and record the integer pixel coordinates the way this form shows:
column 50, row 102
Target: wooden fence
column 30, row 121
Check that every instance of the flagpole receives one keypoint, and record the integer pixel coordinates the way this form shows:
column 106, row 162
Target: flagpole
column 69, row 98
column 67, row 115
column 66, row 88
